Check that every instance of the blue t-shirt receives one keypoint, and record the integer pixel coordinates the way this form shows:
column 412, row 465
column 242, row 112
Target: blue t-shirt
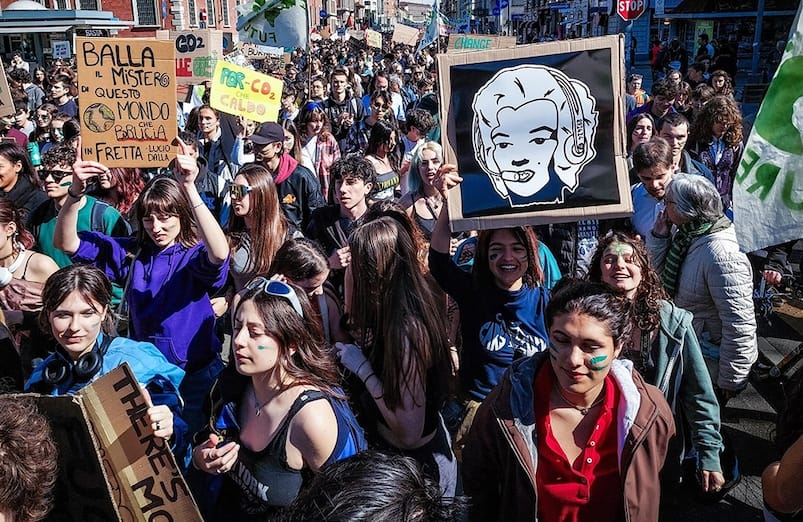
column 497, row 326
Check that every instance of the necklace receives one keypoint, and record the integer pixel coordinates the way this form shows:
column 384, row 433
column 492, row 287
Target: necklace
column 583, row 410
column 258, row 405
column 8, row 256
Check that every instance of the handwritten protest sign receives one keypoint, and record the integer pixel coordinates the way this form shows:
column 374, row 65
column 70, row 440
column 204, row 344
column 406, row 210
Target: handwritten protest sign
column 260, row 52
column 541, row 133
column 127, row 100
column 111, row 466
column 357, row 34
column 196, row 53
column 6, row 101
column 243, row 92
column 404, row 34
column 768, row 190
column 373, row 38
column 479, row 42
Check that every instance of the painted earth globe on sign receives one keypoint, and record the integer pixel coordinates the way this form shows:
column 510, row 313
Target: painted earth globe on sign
column 98, row 117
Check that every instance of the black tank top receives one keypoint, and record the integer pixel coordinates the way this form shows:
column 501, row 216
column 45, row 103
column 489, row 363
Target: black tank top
column 262, row 480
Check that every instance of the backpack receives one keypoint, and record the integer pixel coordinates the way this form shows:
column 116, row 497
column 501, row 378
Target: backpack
column 96, row 222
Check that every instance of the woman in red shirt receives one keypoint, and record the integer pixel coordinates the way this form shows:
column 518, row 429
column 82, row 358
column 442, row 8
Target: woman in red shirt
column 573, row 433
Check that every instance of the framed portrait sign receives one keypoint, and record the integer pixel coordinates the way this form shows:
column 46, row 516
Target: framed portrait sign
column 537, row 133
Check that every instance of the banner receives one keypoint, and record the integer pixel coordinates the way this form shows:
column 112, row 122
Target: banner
column 247, row 93
column 111, row 467
column 127, row 100
column 541, row 133
column 432, row 31
column 768, row 190
column 278, row 23
column 404, row 34
column 479, row 42
column 196, row 53
column 260, row 52
column 373, row 39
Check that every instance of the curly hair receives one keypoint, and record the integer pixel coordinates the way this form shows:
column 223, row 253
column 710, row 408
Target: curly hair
column 59, row 155
column 723, row 110
column 727, row 88
column 28, row 460
column 646, row 304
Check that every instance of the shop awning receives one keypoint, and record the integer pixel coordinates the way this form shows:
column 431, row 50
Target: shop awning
column 709, row 9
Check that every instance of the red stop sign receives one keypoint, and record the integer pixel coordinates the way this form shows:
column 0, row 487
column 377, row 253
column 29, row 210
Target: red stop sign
column 630, row 9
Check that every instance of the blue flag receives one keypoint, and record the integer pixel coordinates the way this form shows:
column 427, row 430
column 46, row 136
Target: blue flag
column 433, row 27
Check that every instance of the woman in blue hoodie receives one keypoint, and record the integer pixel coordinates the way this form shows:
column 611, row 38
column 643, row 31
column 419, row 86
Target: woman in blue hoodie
column 77, row 313
column 179, row 258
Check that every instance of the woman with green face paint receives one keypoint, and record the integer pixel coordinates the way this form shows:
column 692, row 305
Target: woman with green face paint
column 582, row 436
column 664, row 349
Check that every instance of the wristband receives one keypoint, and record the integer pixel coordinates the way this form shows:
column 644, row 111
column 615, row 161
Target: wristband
column 76, row 196
column 197, row 205
column 357, row 373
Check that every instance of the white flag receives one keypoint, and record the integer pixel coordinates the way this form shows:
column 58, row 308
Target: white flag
column 768, row 190
column 277, row 23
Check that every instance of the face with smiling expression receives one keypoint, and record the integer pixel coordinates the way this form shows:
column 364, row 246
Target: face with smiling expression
column 620, row 268
column 507, row 259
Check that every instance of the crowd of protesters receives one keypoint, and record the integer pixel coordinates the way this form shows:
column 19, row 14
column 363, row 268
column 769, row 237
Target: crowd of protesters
column 291, row 295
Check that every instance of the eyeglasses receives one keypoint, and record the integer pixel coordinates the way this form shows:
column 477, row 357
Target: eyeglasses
column 276, row 289
column 239, row 191
column 379, row 106
column 57, row 175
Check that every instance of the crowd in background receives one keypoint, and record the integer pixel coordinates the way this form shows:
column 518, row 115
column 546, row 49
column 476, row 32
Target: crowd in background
column 291, row 295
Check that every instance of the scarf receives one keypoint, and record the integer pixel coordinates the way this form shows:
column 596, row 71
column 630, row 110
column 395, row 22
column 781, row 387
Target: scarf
column 686, row 234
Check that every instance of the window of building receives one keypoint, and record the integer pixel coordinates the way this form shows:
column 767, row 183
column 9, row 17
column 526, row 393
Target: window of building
column 193, row 13
column 145, row 13
column 211, row 13
column 224, row 13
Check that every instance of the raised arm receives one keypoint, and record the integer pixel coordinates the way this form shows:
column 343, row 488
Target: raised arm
column 441, row 235
column 65, row 237
column 217, row 248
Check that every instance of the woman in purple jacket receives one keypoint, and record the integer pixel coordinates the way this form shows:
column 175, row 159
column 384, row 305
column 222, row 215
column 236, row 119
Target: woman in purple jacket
column 179, row 258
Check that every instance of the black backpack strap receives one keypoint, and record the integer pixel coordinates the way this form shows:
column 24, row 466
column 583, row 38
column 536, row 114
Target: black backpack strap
column 98, row 209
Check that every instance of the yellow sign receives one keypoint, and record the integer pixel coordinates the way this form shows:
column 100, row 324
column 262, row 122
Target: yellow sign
column 242, row 92
column 127, row 100
column 373, row 39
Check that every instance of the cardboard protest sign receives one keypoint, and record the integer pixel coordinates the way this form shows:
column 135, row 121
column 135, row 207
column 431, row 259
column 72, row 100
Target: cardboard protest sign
column 545, row 142
column 479, row 42
column 768, row 190
column 127, row 101
column 260, row 52
column 404, row 34
column 111, row 467
column 196, row 53
column 356, row 34
column 243, row 92
column 373, row 38
column 6, row 101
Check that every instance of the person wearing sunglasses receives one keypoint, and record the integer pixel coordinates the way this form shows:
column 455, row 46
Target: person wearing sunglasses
column 277, row 414
column 257, row 227
column 319, row 149
column 357, row 141
column 178, row 258
column 42, row 117
column 56, row 178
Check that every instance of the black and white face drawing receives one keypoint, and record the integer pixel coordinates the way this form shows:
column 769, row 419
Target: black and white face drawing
column 533, row 132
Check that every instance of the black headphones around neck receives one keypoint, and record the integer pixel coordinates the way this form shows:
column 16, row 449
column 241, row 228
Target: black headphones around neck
column 60, row 368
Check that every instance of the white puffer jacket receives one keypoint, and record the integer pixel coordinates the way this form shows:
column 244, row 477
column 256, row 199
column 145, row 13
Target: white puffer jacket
column 716, row 285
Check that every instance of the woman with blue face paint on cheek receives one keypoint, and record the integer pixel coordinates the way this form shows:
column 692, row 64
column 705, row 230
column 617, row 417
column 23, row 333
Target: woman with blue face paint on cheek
column 584, row 428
